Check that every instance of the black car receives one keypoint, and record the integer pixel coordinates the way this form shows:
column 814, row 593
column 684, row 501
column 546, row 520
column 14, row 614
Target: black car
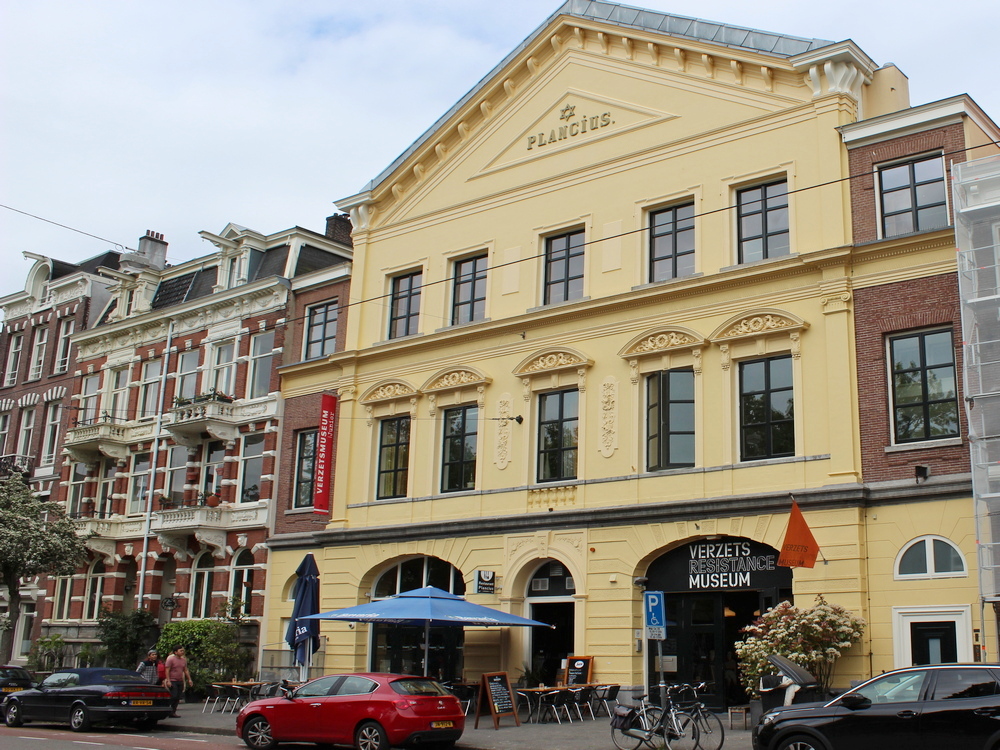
column 83, row 697
column 13, row 679
column 954, row 706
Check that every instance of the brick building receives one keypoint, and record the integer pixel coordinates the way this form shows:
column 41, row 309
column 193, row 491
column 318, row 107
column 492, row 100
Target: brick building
column 170, row 460
column 37, row 351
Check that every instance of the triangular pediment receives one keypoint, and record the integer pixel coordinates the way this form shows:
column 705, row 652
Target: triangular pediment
column 576, row 119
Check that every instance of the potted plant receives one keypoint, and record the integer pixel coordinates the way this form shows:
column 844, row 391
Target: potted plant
column 181, row 401
column 224, row 398
column 812, row 638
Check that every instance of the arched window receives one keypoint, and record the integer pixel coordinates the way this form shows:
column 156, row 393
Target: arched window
column 96, row 579
column 241, row 581
column 930, row 557
column 417, row 573
column 201, row 586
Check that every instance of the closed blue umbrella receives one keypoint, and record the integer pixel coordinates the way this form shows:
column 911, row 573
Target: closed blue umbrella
column 303, row 633
column 428, row 606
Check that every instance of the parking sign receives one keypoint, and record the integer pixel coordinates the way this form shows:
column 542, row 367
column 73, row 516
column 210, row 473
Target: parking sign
column 656, row 621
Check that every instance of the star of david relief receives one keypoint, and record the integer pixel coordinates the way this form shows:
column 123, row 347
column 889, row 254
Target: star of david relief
column 567, row 113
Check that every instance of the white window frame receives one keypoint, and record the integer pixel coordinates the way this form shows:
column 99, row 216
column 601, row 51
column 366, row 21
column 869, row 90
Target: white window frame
column 202, row 585
column 90, row 394
column 903, row 617
column 66, row 329
column 224, row 370
column 4, row 430
column 239, row 575
column 260, row 365
column 50, row 442
column 149, row 390
column 245, row 461
column 176, row 474
column 117, row 395
column 62, row 597
column 928, row 540
column 39, row 345
column 26, row 432
column 187, row 374
column 94, row 595
column 138, row 484
column 13, row 358
column 76, row 488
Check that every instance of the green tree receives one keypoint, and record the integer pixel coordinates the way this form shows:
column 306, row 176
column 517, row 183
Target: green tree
column 214, row 652
column 126, row 634
column 36, row 537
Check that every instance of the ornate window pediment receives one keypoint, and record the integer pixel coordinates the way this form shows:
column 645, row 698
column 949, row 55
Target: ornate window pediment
column 454, row 378
column 758, row 323
column 388, row 390
column 660, row 341
column 552, row 361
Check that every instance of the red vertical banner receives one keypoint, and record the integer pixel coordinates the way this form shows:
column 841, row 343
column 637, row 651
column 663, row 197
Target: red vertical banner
column 324, row 455
column 799, row 549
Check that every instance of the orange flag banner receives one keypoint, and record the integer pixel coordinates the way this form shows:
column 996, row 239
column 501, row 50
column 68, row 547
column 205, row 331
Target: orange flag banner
column 799, row 549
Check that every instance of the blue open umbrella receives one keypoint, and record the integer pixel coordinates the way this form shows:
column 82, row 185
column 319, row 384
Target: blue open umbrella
column 429, row 607
column 303, row 633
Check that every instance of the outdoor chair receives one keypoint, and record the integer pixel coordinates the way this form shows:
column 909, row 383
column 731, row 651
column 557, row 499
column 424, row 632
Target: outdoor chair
column 581, row 699
column 554, row 702
column 606, row 696
column 214, row 694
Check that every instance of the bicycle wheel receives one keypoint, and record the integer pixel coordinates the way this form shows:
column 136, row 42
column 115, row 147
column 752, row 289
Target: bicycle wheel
column 711, row 733
column 627, row 742
column 657, row 739
column 685, row 732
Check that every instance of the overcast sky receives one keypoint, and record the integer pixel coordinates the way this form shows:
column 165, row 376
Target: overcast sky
column 117, row 117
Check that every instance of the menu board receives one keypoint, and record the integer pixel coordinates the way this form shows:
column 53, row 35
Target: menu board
column 497, row 698
column 578, row 670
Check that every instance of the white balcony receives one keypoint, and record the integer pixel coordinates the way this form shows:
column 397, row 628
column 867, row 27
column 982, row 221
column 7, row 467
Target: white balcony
column 221, row 419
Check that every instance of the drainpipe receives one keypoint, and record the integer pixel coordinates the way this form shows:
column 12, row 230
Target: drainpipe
column 154, row 460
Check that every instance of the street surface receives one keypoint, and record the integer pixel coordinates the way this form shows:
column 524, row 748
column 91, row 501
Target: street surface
column 43, row 737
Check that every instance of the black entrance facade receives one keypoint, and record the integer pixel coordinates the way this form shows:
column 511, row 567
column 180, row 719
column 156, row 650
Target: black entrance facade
column 712, row 589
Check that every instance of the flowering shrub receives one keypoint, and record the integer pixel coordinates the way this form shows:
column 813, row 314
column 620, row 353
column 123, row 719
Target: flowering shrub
column 812, row 638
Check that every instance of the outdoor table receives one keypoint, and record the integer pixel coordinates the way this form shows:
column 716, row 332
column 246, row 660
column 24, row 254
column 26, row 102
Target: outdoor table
column 238, row 692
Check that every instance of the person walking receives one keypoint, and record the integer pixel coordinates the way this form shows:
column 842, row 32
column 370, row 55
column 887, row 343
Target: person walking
column 151, row 668
column 177, row 677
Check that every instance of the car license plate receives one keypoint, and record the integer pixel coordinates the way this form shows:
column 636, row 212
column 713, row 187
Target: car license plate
column 142, row 703
column 12, row 689
column 442, row 724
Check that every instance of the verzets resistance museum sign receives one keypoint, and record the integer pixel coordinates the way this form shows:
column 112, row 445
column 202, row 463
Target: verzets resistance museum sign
column 725, row 564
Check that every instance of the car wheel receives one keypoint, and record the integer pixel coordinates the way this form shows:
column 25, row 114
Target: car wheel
column 79, row 719
column 13, row 715
column 371, row 736
column 257, row 734
column 800, row 742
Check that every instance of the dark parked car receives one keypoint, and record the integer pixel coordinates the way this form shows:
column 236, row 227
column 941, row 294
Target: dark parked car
column 88, row 696
column 369, row 711
column 954, row 706
column 13, row 679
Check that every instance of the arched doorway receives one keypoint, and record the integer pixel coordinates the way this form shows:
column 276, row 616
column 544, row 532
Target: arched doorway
column 712, row 589
column 550, row 596
column 400, row 648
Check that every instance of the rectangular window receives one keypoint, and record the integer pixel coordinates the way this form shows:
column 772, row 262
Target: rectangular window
column 670, row 420
column 138, row 486
column 4, row 429
column 563, row 268
column 38, row 349
column 469, row 290
column 252, row 468
column 53, row 423
column 321, row 330
column 149, row 394
column 763, row 221
column 89, row 393
column 74, row 497
column 461, row 446
column 107, row 471
column 558, row 435
column 224, row 367
column 671, row 243
column 26, row 436
column 912, row 196
column 404, row 311
column 305, row 468
column 117, row 410
column 187, row 374
column 176, row 475
column 924, row 391
column 393, row 457
column 767, row 409
column 13, row 358
column 213, row 465
column 61, row 597
column 261, row 358
column 66, row 329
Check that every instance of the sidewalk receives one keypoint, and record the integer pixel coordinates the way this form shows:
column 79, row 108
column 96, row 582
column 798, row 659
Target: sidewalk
column 587, row 735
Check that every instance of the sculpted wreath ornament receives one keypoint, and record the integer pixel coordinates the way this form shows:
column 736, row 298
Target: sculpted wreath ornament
column 812, row 638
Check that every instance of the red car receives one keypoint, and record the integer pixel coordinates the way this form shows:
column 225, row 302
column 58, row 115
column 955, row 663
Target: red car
column 369, row 711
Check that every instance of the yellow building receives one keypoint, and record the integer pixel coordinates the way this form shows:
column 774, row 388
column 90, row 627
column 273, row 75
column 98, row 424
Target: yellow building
column 605, row 324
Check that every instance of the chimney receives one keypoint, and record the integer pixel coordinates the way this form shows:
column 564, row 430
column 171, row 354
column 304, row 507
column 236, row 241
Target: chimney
column 338, row 229
column 152, row 253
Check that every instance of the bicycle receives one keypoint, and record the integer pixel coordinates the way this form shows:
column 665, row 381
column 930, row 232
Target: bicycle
column 711, row 733
column 647, row 724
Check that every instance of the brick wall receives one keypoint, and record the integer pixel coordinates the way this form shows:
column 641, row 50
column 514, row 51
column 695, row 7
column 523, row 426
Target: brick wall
column 864, row 159
column 895, row 308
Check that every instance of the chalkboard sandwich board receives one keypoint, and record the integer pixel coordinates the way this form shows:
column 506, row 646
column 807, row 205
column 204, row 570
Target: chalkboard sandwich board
column 497, row 698
column 579, row 670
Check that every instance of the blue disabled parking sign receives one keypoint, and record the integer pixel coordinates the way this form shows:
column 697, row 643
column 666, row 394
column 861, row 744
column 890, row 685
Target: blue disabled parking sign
column 655, row 618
